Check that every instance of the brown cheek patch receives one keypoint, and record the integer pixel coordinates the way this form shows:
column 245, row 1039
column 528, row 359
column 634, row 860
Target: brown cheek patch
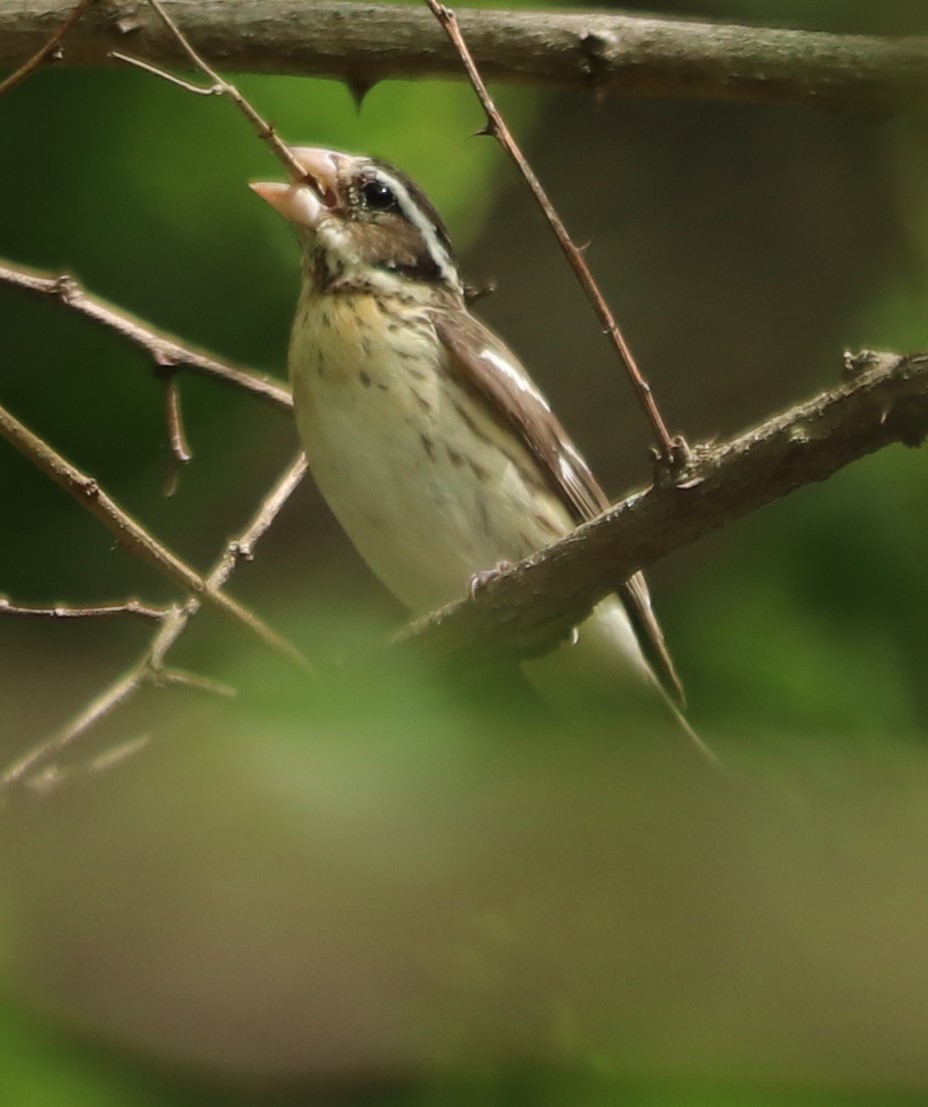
column 391, row 243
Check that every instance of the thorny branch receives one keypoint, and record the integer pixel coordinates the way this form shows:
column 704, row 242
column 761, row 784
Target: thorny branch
column 670, row 452
column 150, row 667
column 133, row 536
column 219, row 87
column 534, row 605
column 166, row 352
column 595, row 51
column 47, row 52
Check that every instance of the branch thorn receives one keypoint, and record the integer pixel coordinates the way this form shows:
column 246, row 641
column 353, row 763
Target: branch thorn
column 359, row 87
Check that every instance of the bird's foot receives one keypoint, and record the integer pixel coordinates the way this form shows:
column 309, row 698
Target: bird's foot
column 483, row 578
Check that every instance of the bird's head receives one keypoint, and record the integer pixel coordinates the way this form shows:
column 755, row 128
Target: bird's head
column 363, row 221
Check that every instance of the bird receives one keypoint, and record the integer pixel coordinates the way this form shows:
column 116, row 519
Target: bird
column 435, row 450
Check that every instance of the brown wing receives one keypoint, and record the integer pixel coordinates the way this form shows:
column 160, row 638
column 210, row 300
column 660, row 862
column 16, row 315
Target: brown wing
column 492, row 370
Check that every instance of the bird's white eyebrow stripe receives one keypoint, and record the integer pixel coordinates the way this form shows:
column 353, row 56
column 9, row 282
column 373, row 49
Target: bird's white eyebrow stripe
column 413, row 214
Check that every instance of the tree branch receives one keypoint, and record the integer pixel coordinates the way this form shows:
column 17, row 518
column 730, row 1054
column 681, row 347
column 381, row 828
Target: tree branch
column 150, row 667
column 167, row 353
column 51, row 50
column 219, row 87
column 64, row 612
column 364, row 43
column 497, row 127
column 529, row 608
column 133, row 537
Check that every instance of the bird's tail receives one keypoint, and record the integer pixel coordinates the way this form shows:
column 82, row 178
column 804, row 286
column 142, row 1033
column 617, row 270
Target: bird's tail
column 602, row 671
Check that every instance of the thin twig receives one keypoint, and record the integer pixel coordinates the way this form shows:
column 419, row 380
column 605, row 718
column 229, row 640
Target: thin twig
column 171, row 78
column 669, row 449
column 133, row 536
column 117, row 754
column 54, row 775
column 70, row 611
column 102, row 705
column 164, row 350
column 50, row 49
column 221, row 87
column 150, row 668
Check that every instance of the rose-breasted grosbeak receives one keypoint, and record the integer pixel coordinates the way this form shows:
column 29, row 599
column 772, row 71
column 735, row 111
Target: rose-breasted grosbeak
column 434, row 449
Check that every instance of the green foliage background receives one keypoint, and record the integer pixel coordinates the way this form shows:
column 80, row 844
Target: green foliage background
column 743, row 248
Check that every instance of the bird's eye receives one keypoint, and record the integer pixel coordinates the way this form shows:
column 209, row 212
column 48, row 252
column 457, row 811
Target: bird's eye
column 377, row 196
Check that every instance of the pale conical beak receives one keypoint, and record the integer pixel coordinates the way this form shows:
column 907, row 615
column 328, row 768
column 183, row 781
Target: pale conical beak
column 304, row 202
column 297, row 203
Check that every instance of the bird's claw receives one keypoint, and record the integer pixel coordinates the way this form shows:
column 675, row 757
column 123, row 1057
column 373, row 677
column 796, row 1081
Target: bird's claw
column 483, row 578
